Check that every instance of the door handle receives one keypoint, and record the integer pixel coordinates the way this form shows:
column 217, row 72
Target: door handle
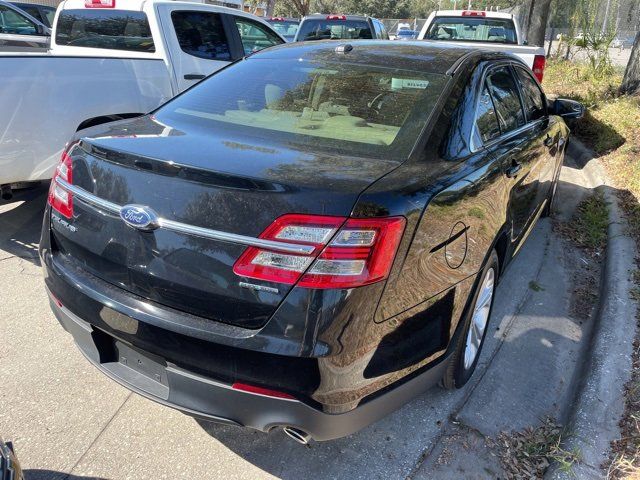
column 193, row 76
column 513, row 170
column 548, row 141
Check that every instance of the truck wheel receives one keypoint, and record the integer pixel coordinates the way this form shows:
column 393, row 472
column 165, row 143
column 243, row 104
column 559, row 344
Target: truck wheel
column 469, row 344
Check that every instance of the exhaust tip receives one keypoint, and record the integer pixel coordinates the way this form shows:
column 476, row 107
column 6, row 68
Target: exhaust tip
column 298, row 435
column 6, row 193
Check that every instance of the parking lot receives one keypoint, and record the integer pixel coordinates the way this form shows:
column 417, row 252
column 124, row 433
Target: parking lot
column 67, row 420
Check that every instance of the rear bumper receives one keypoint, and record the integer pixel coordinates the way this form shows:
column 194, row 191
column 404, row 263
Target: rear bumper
column 211, row 400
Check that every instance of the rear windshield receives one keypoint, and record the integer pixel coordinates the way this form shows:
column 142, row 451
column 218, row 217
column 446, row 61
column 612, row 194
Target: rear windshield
column 343, row 107
column 334, row 30
column 101, row 28
column 472, row 29
column 285, row 28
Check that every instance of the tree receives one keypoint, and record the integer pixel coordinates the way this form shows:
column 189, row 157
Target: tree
column 539, row 15
column 631, row 80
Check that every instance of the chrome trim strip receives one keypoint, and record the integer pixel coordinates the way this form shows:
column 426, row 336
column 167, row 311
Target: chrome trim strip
column 89, row 197
column 187, row 229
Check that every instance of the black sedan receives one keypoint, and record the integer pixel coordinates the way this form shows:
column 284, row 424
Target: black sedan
column 309, row 237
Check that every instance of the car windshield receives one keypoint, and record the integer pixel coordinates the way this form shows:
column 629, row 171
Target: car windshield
column 350, row 108
column 472, row 29
column 322, row 29
column 285, row 28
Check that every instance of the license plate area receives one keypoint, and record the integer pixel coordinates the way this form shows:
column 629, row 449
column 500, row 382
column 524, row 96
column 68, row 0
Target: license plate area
column 141, row 370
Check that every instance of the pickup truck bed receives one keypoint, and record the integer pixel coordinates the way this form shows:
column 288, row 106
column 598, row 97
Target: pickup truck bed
column 45, row 99
column 111, row 62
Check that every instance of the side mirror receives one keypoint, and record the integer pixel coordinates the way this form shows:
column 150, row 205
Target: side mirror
column 42, row 30
column 567, row 109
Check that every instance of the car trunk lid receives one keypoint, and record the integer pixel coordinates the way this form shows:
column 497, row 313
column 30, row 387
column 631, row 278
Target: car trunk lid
column 209, row 184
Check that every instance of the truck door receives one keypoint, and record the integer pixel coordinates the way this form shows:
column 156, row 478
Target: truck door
column 197, row 40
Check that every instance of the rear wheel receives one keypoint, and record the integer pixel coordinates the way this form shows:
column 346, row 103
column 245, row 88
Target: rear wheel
column 469, row 343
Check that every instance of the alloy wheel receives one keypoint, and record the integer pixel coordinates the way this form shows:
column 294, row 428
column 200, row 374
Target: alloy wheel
column 479, row 319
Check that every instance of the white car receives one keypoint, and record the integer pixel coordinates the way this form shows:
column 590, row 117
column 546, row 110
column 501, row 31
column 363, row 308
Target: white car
column 497, row 31
column 20, row 32
column 111, row 59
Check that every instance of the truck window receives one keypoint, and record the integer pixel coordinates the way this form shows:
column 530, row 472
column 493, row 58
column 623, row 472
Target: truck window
column 319, row 29
column 109, row 29
column 472, row 29
column 201, row 34
column 30, row 9
column 14, row 23
column 255, row 36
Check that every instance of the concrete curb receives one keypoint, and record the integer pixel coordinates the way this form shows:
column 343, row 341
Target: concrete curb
column 599, row 400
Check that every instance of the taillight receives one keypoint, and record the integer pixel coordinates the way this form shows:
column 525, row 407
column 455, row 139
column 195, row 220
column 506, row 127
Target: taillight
column 59, row 198
column 347, row 252
column 473, row 13
column 99, row 3
column 539, row 62
column 336, row 17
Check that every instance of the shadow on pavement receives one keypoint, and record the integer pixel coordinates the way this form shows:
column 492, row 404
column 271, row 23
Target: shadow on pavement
column 36, row 474
column 21, row 222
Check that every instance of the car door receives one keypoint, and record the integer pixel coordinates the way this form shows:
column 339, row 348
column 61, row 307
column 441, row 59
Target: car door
column 253, row 35
column 518, row 148
column 535, row 104
column 20, row 33
column 198, row 42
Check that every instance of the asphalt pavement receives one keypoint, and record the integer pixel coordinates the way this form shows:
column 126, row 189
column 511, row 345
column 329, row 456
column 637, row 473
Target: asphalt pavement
column 67, row 420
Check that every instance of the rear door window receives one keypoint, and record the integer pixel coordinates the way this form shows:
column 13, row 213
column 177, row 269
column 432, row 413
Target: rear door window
column 534, row 100
column 104, row 28
column 255, row 36
column 14, row 23
column 318, row 29
column 201, row 34
column 506, row 99
column 486, row 124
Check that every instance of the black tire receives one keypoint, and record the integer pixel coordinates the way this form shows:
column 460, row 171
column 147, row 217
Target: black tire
column 457, row 374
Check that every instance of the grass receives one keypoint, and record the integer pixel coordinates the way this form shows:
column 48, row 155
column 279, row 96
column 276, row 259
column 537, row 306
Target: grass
column 612, row 129
column 590, row 222
column 528, row 453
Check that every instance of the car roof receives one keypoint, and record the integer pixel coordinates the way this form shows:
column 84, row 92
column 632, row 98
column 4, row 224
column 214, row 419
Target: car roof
column 420, row 55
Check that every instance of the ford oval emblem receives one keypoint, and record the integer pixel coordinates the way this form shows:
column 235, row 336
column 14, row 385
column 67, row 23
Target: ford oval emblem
column 140, row 217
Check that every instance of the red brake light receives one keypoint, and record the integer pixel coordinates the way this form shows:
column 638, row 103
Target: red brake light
column 261, row 391
column 99, row 3
column 539, row 62
column 277, row 19
column 336, row 17
column 60, row 199
column 473, row 13
column 348, row 252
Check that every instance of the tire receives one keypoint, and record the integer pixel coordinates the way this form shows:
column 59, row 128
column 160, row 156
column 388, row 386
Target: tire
column 463, row 360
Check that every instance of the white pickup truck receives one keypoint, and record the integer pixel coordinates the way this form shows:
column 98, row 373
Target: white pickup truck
column 487, row 30
column 110, row 59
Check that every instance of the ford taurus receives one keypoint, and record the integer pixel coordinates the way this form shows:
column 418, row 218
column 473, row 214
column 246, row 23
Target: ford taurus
column 308, row 238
